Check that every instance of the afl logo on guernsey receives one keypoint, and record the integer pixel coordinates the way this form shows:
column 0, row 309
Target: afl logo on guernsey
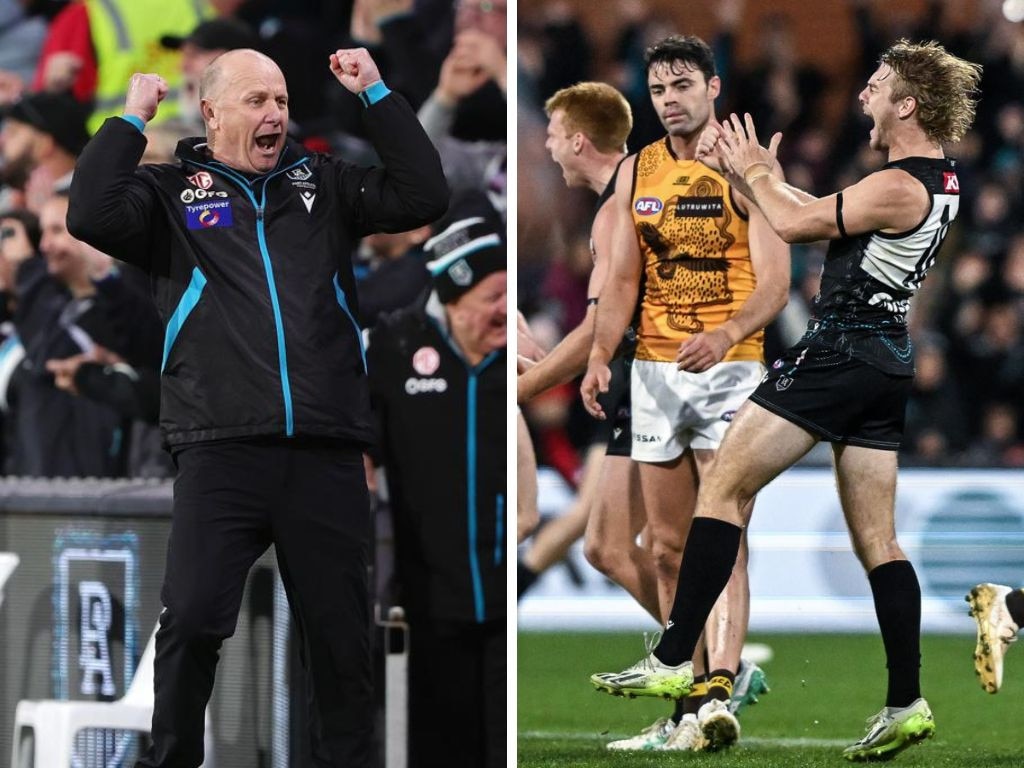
column 950, row 183
column 648, row 206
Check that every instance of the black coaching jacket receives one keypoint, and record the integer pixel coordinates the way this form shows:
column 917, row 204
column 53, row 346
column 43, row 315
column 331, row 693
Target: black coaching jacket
column 443, row 447
column 252, row 275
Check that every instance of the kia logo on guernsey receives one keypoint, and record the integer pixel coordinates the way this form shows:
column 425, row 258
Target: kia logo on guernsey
column 203, row 180
column 950, row 183
column 207, row 215
column 648, row 206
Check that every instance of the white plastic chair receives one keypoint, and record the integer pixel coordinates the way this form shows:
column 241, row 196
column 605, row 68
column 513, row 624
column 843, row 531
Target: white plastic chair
column 8, row 562
column 56, row 722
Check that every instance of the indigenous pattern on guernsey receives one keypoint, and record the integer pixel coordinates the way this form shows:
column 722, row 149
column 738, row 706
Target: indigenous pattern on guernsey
column 868, row 279
column 693, row 240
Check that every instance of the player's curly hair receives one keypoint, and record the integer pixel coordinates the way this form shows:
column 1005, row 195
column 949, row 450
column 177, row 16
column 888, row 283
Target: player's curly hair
column 944, row 86
column 596, row 110
column 689, row 50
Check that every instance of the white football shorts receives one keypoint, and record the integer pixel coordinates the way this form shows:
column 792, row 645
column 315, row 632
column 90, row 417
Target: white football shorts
column 674, row 410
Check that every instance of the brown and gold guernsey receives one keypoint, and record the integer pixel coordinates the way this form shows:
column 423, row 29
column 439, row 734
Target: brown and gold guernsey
column 696, row 254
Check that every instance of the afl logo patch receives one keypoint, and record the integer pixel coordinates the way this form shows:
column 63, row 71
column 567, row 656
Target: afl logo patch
column 648, row 206
column 426, row 361
column 203, row 180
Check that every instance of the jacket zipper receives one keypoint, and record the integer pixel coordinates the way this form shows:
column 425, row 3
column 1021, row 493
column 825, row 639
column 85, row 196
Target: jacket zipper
column 471, row 441
column 282, row 355
column 499, row 536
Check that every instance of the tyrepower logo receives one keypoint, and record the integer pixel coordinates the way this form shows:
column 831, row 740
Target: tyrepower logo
column 206, row 215
column 950, row 183
column 648, row 206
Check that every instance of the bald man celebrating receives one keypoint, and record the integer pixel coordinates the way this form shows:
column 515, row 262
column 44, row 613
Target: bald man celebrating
column 264, row 398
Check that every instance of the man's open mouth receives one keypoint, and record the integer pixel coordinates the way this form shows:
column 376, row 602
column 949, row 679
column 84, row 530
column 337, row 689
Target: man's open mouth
column 268, row 142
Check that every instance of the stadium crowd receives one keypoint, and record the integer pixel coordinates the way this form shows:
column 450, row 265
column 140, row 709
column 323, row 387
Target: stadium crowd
column 967, row 322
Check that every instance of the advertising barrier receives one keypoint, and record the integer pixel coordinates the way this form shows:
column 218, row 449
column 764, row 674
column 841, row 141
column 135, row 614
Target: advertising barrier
column 958, row 527
column 82, row 598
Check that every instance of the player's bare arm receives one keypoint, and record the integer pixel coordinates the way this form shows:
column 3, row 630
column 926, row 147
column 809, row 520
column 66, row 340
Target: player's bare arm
column 889, row 200
column 618, row 294
column 569, row 357
column 769, row 256
column 528, row 351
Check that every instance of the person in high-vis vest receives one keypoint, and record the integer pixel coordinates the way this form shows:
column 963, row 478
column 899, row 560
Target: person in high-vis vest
column 94, row 46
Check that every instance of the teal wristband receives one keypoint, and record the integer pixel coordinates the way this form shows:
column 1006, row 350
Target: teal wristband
column 373, row 93
column 136, row 121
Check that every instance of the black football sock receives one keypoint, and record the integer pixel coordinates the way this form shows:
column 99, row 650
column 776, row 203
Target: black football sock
column 897, row 596
column 720, row 684
column 708, row 558
column 1015, row 605
column 524, row 578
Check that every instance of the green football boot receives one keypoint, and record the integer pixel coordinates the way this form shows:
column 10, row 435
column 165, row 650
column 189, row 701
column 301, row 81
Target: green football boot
column 891, row 731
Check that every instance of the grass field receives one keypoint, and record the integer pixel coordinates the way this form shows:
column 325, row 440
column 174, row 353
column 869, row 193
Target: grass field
column 823, row 688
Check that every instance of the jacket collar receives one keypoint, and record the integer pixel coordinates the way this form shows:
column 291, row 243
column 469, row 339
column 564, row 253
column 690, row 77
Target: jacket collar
column 194, row 150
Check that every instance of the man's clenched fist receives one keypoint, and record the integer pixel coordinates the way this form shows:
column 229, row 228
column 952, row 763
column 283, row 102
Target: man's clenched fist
column 145, row 92
column 354, row 69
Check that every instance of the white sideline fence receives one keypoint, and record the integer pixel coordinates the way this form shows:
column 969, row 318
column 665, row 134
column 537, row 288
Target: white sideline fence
column 958, row 527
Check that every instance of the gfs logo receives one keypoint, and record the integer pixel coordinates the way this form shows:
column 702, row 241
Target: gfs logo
column 648, row 206
column 191, row 195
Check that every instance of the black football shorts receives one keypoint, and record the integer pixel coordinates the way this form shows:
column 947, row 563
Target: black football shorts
column 837, row 397
column 617, row 429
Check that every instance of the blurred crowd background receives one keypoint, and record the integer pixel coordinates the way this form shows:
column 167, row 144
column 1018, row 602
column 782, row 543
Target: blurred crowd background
column 797, row 68
column 80, row 341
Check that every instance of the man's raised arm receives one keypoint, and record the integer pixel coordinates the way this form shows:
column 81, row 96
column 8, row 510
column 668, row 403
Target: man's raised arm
column 410, row 190
column 110, row 208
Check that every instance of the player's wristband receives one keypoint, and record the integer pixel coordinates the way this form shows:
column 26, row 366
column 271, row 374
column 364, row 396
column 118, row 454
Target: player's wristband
column 750, row 179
